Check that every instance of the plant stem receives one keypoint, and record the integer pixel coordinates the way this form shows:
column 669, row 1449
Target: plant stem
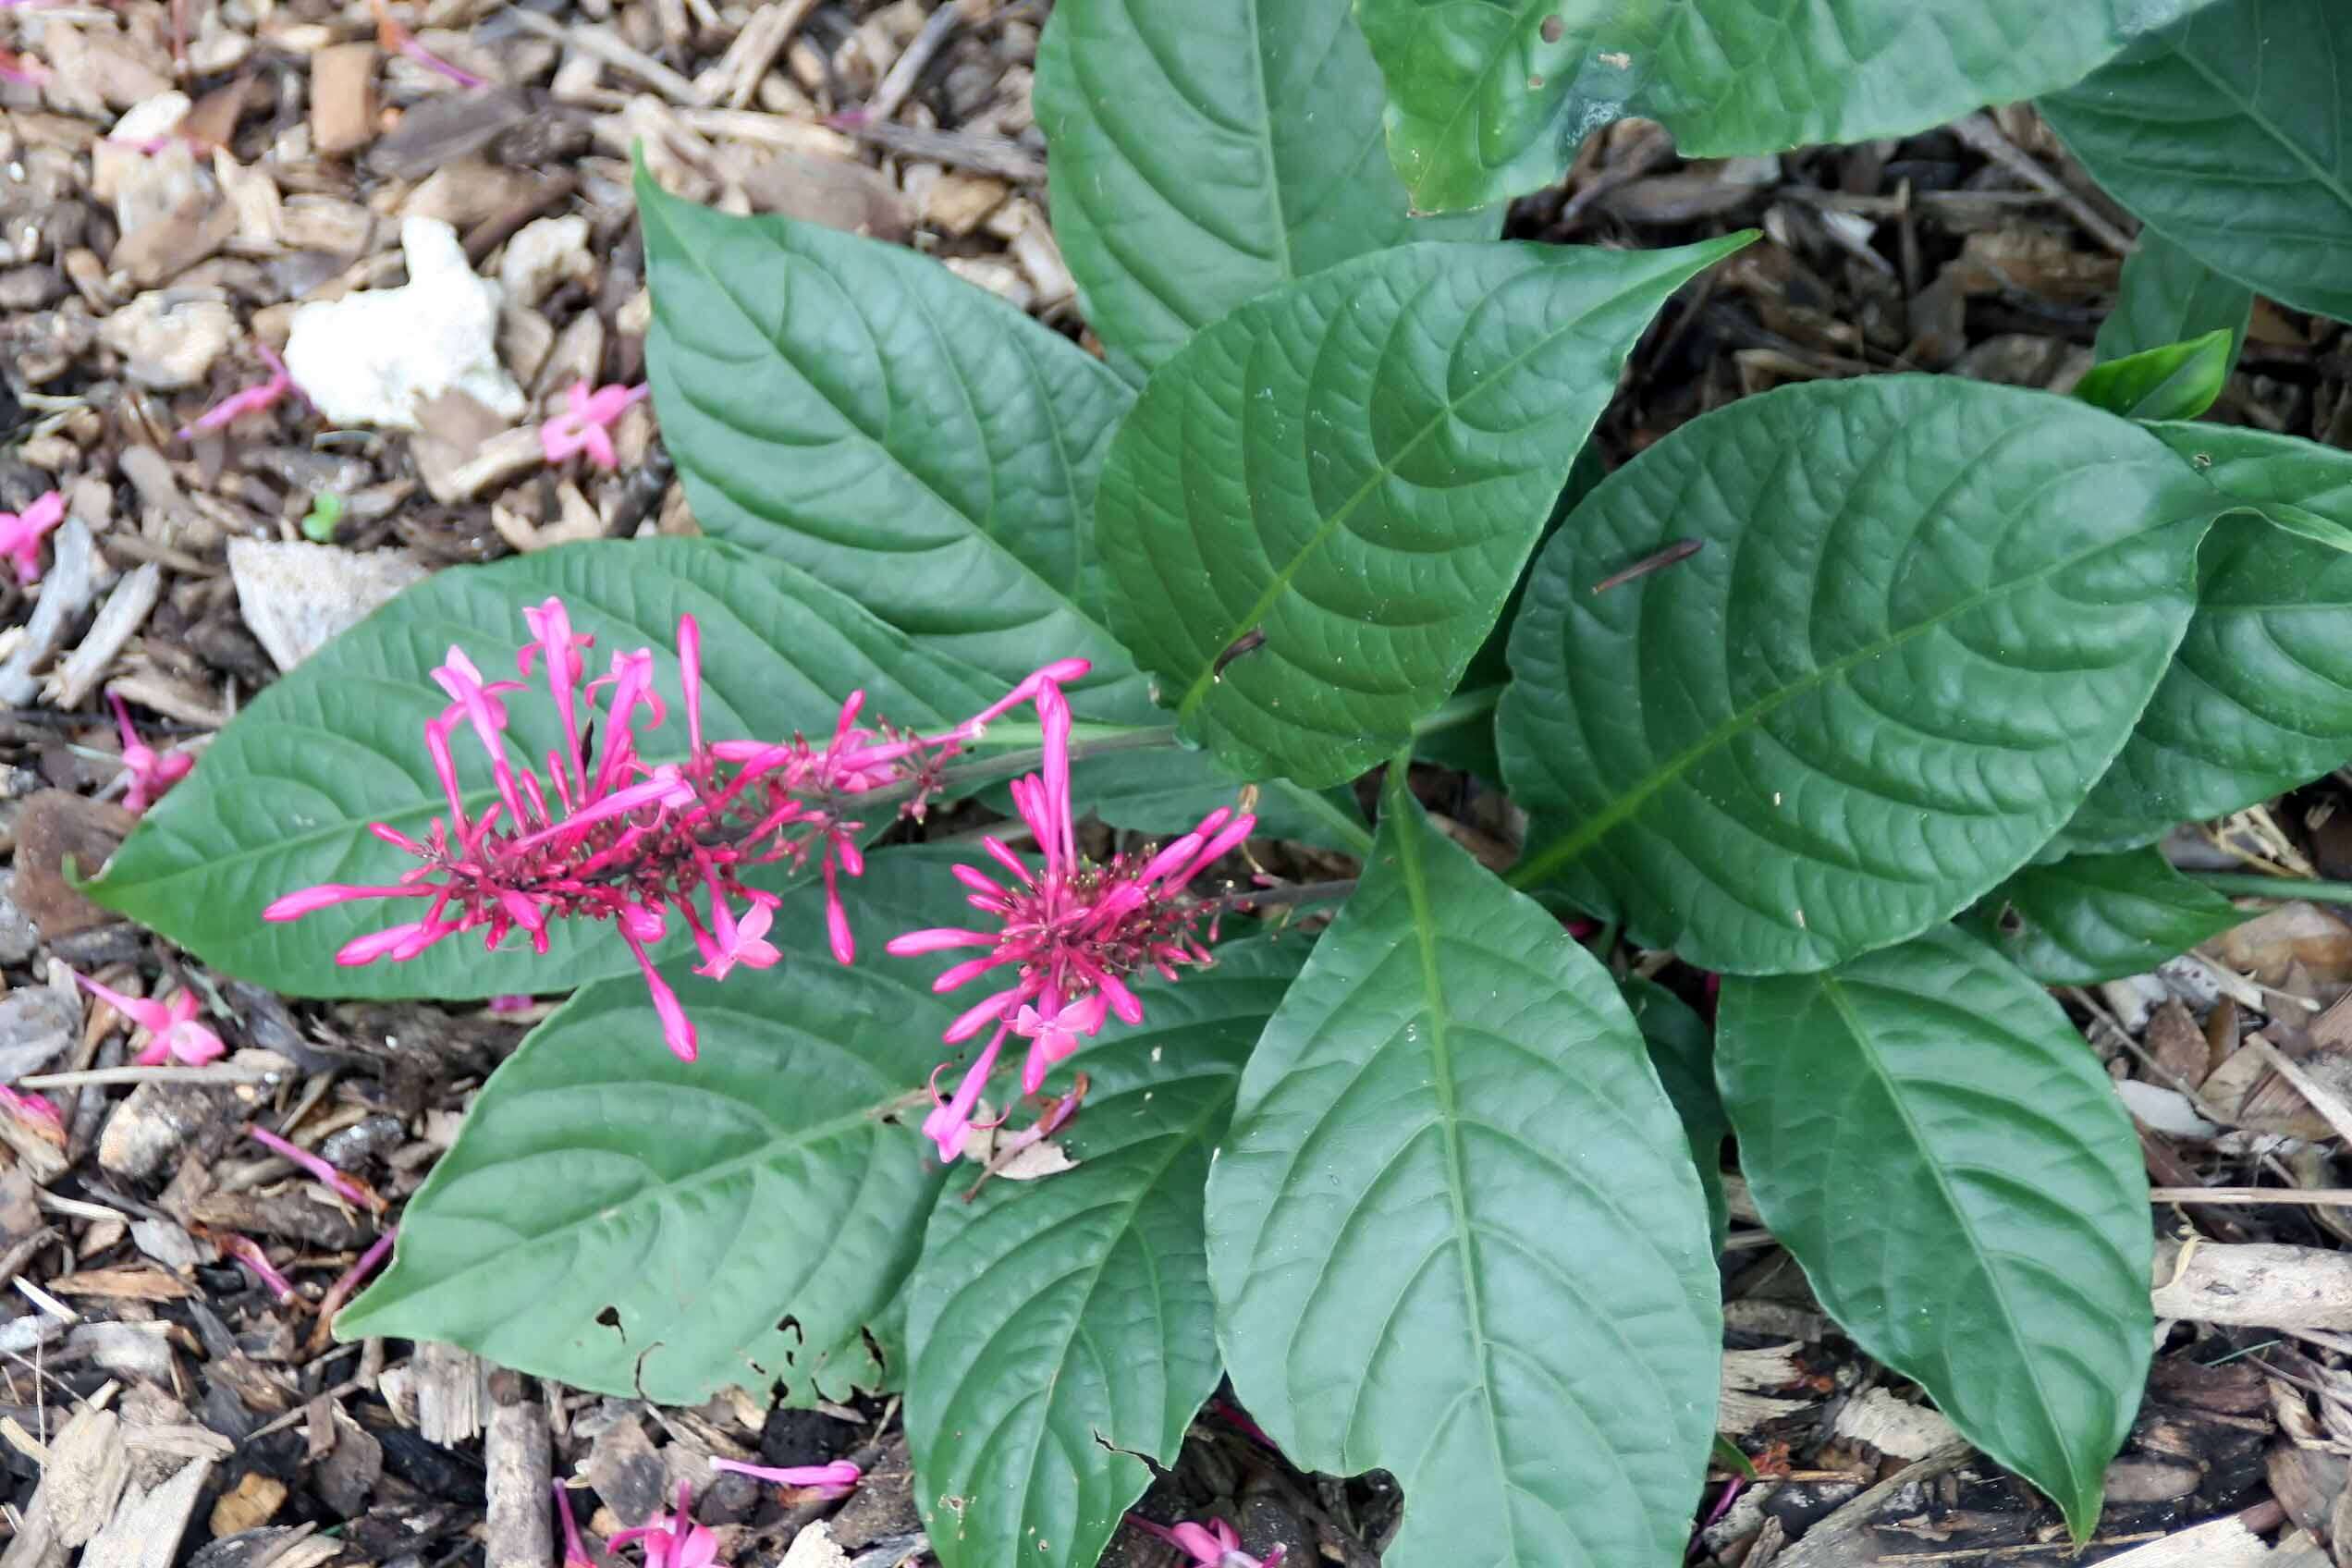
column 2245, row 886
column 1294, row 893
column 1086, row 741
column 1459, row 709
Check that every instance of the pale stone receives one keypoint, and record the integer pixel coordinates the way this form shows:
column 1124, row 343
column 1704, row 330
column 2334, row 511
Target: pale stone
column 168, row 340
column 295, row 597
column 544, row 256
column 369, row 358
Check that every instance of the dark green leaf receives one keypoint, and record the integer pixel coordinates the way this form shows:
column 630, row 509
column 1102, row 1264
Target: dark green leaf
column 1319, row 505
column 1728, row 1456
column 283, row 799
column 2089, row 918
column 1063, row 1327
column 1206, row 153
column 1938, row 1146
column 1489, row 99
column 2225, row 135
column 2177, row 381
column 2258, row 699
column 1926, row 615
column 910, row 440
column 1166, row 792
column 1683, row 1049
column 1454, row 1233
column 628, row 1223
column 2168, row 296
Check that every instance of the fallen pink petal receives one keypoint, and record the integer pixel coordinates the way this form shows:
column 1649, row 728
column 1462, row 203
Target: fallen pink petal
column 343, row 1186
column 1213, row 1545
column 585, row 425
column 837, row 1480
column 151, row 774
column 672, row 1540
column 251, row 401
column 173, row 1032
column 21, row 534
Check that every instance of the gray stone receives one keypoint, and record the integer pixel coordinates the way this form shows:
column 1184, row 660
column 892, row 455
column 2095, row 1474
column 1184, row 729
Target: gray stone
column 18, row 938
column 295, row 597
column 36, row 1025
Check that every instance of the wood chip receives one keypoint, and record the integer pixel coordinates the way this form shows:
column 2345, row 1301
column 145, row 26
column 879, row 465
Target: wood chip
column 515, row 1452
column 2257, row 1284
column 452, row 1392
column 81, row 1485
column 122, row 1285
column 146, row 1529
column 254, row 1502
column 126, row 611
column 343, row 98
column 2218, row 1543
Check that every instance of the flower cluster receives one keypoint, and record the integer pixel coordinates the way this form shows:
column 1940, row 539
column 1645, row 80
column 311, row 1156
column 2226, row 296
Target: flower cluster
column 608, row 836
column 1070, row 932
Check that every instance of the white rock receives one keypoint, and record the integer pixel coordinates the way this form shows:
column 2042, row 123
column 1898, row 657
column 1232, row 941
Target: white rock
column 167, row 340
column 296, row 596
column 369, row 358
column 544, row 256
column 152, row 117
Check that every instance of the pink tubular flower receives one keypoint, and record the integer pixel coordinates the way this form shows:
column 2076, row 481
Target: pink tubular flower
column 22, row 68
column 26, row 1105
column 1213, row 1545
column 586, row 424
column 150, row 773
column 673, row 1540
column 1070, row 933
column 837, row 1480
column 21, row 532
column 251, row 401
column 171, row 1030
column 246, row 1251
column 394, row 38
column 575, row 1551
column 604, row 835
column 350, row 1191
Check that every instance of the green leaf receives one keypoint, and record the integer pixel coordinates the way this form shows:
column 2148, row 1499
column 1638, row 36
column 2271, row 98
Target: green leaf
column 1928, row 1135
column 1489, row 99
column 1166, row 791
column 1924, row 618
column 1062, row 1328
column 2258, row 699
column 2177, row 381
column 2168, row 296
column 1683, row 1049
column 1205, row 154
column 901, row 435
column 2087, row 918
column 626, row 1222
column 2225, row 135
column 1456, row 1233
column 1727, row 1456
column 283, row 799
column 1317, row 507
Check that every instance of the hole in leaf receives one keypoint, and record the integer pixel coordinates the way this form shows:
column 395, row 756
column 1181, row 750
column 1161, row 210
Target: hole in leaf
column 610, row 1319
column 1553, row 28
column 873, row 1346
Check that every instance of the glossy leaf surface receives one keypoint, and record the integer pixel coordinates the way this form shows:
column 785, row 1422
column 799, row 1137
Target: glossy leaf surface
column 1454, row 1233
column 283, row 799
column 1683, row 1049
column 1317, row 509
column 2087, row 918
column 910, row 439
column 2225, row 135
column 2168, row 296
column 2258, row 699
column 1924, row 618
column 644, row 1227
column 1936, row 1143
column 1206, row 153
column 1489, row 99
column 1062, row 1327
column 2177, row 381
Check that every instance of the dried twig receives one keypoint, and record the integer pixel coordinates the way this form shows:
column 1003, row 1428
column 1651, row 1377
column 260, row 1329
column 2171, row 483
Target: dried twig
column 1979, row 131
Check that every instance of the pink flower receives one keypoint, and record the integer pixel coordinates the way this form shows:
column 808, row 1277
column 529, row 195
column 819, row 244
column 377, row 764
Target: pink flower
column 575, row 1552
column 246, row 1251
column 151, row 774
column 351, row 1191
column 1213, row 1545
column 28, row 1106
column 673, row 1540
column 22, row 68
column 20, row 535
column 171, row 1027
column 585, row 426
column 1070, row 933
column 603, row 835
column 394, row 38
column 837, row 1480
column 251, row 401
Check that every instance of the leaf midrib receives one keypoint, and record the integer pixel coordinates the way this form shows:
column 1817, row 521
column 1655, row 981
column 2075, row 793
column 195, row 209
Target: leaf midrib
column 653, row 211
column 1206, row 679
column 1962, row 1221
column 1417, row 886
column 2331, row 179
column 1628, row 805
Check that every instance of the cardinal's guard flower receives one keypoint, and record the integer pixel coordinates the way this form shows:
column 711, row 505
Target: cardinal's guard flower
column 585, row 425
column 171, row 1030
column 150, row 772
column 838, row 1479
column 1213, row 1545
column 673, row 1540
column 614, row 837
column 1072, row 932
column 21, row 532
